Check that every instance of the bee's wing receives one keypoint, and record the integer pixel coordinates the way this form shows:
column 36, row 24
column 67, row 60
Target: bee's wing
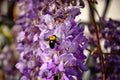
column 58, row 40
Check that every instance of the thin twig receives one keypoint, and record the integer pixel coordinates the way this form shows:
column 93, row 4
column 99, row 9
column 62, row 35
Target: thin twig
column 106, row 8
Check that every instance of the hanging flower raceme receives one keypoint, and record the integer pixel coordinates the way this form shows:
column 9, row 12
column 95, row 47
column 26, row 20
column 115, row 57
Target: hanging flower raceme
column 51, row 42
column 110, row 33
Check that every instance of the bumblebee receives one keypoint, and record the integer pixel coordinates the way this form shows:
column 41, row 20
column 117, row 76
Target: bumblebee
column 52, row 41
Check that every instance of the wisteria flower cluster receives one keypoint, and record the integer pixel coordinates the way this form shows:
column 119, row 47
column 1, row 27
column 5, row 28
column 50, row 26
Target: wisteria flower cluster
column 8, row 56
column 51, row 42
column 8, row 60
column 110, row 32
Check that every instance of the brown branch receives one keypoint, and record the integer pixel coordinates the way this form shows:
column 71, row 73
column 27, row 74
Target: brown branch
column 98, row 40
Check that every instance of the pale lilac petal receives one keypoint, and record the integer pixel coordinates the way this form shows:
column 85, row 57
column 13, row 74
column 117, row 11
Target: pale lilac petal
column 24, row 78
column 65, row 77
column 21, row 36
column 44, row 66
column 55, row 58
column 20, row 66
column 51, row 64
column 61, row 66
column 35, row 38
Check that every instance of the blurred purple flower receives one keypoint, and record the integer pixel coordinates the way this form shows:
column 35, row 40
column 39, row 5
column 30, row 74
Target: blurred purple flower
column 8, row 59
column 110, row 33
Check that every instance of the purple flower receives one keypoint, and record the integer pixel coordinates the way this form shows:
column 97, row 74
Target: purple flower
column 112, row 40
column 51, row 44
column 110, row 33
column 8, row 60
